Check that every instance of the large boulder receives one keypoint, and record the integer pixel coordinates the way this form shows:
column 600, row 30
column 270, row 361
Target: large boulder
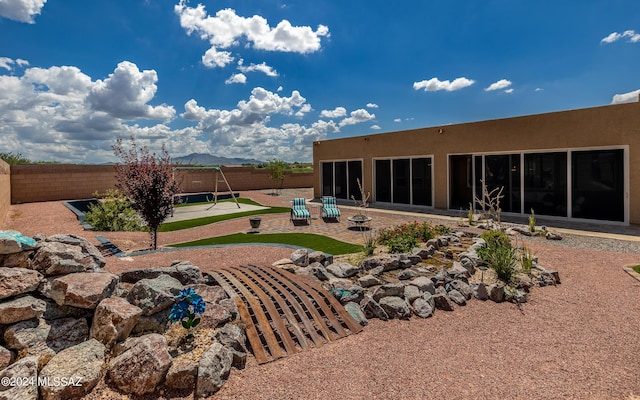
column 16, row 260
column 83, row 289
column 425, row 284
column 443, row 302
column 46, row 338
column 372, row 308
column 155, row 323
column 114, row 320
column 356, row 312
column 387, row 262
column 343, row 270
column 233, row 337
column 15, row 281
column 388, row 289
column 457, row 297
column 368, row 281
column 395, row 307
column 153, row 295
column 80, row 366
column 496, row 292
column 213, row 369
column 183, row 271
column 182, row 374
column 6, row 357
column 411, row 293
column 64, row 254
column 422, row 308
column 24, row 371
column 14, row 242
column 300, row 257
column 142, row 366
column 21, row 309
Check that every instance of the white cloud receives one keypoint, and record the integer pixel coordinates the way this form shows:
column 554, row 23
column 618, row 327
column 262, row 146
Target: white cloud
column 376, row 127
column 397, row 120
column 226, row 29
column 356, row 117
column 509, row 90
column 21, row 10
column 236, row 78
column 60, row 113
column 434, row 84
column 615, row 36
column 126, row 92
column 7, row 63
column 263, row 67
column 280, row 89
column 629, row 97
column 372, row 105
column 538, row 89
column 337, row 113
column 501, row 84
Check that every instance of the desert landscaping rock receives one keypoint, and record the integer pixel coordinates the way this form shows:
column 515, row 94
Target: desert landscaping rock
column 92, row 258
column 155, row 323
column 443, row 302
column 388, row 289
column 496, row 292
column 395, row 307
column 480, row 291
column 25, row 369
column 422, row 308
column 368, row 281
column 343, row 270
column 300, row 257
column 55, row 311
column 233, row 337
column 82, row 364
column 356, row 312
column 424, row 283
column 83, row 290
column 457, row 297
column 16, row 260
column 407, row 274
column 463, row 288
column 372, row 309
column 153, row 295
column 182, row 374
column 213, row 370
column 6, row 357
column 15, row 281
column 46, row 338
column 21, row 309
column 411, row 293
column 141, row 368
column 114, row 320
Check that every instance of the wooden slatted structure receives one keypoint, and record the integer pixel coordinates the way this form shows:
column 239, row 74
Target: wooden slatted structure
column 284, row 313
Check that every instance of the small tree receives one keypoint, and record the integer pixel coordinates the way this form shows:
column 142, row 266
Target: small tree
column 147, row 179
column 276, row 174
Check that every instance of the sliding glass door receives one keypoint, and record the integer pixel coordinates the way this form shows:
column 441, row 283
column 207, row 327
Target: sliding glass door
column 404, row 181
column 339, row 178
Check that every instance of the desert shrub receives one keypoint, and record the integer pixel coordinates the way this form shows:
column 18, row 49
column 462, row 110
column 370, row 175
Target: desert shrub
column 115, row 213
column 403, row 238
column 526, row 259
column 401, row 244
column 492, row 237
column 439, row 230
column 503, row 259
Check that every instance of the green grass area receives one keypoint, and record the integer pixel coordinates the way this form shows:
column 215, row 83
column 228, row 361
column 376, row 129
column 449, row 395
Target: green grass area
column 636, row 268
column 241, row 200
column 192, row 223
column 309, row 240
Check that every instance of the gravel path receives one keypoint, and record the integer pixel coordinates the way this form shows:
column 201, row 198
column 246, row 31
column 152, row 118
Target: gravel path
column 578, row 340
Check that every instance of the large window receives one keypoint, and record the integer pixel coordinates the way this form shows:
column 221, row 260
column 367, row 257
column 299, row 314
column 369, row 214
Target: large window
column 503, row 171
column 597, row 184
column 545, row 183
column 339, row 178
column 404, row 181
column 460, row 182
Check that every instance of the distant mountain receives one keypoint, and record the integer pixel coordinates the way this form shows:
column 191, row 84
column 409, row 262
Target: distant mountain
column 208, row 159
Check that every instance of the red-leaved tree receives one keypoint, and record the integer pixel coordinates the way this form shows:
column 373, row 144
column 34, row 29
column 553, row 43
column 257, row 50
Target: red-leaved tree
column 148, row 181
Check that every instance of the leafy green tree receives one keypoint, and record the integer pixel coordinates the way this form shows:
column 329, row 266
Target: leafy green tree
column 276, row 170
column 148, row 181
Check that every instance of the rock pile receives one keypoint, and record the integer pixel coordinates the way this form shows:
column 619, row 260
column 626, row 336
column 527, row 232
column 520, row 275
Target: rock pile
column 438, row 275
column 65, row 324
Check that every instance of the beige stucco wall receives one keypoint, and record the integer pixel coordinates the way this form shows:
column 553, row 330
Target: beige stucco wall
column 46, row 182
column 614, row 125
column 5, row 190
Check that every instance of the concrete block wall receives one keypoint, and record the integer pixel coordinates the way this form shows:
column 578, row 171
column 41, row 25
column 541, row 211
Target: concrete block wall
column 5, row 190
column 48, row 182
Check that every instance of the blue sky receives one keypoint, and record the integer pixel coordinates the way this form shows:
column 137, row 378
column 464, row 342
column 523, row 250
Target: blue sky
column 265, row 79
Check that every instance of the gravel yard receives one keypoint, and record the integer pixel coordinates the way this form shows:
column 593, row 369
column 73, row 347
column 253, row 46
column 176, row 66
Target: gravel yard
column 578, row 340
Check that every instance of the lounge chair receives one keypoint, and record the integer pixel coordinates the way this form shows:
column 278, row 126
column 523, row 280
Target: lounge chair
column 299, row 210
column 329, row 208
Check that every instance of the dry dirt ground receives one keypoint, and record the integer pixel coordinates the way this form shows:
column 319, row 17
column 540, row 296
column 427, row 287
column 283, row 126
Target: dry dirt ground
column 578, row 340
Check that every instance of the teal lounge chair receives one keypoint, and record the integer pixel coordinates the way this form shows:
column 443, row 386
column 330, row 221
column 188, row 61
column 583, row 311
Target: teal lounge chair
column 329, row 208
column 299, row 210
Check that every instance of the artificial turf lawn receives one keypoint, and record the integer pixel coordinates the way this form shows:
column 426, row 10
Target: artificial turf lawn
column 308, row 240
column 636, row 268
column 192, row 223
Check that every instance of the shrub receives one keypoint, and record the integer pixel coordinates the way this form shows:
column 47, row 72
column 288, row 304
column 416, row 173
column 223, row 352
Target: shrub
column 439, row 230
column 526, row 259
column 403, row 238
column 503, row 259
column 493, row 237
column 532, row 222
column 115, row 213
column 401, row 244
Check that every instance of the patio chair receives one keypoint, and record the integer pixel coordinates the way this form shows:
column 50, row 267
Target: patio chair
column 329, row 208
column 299, row 210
